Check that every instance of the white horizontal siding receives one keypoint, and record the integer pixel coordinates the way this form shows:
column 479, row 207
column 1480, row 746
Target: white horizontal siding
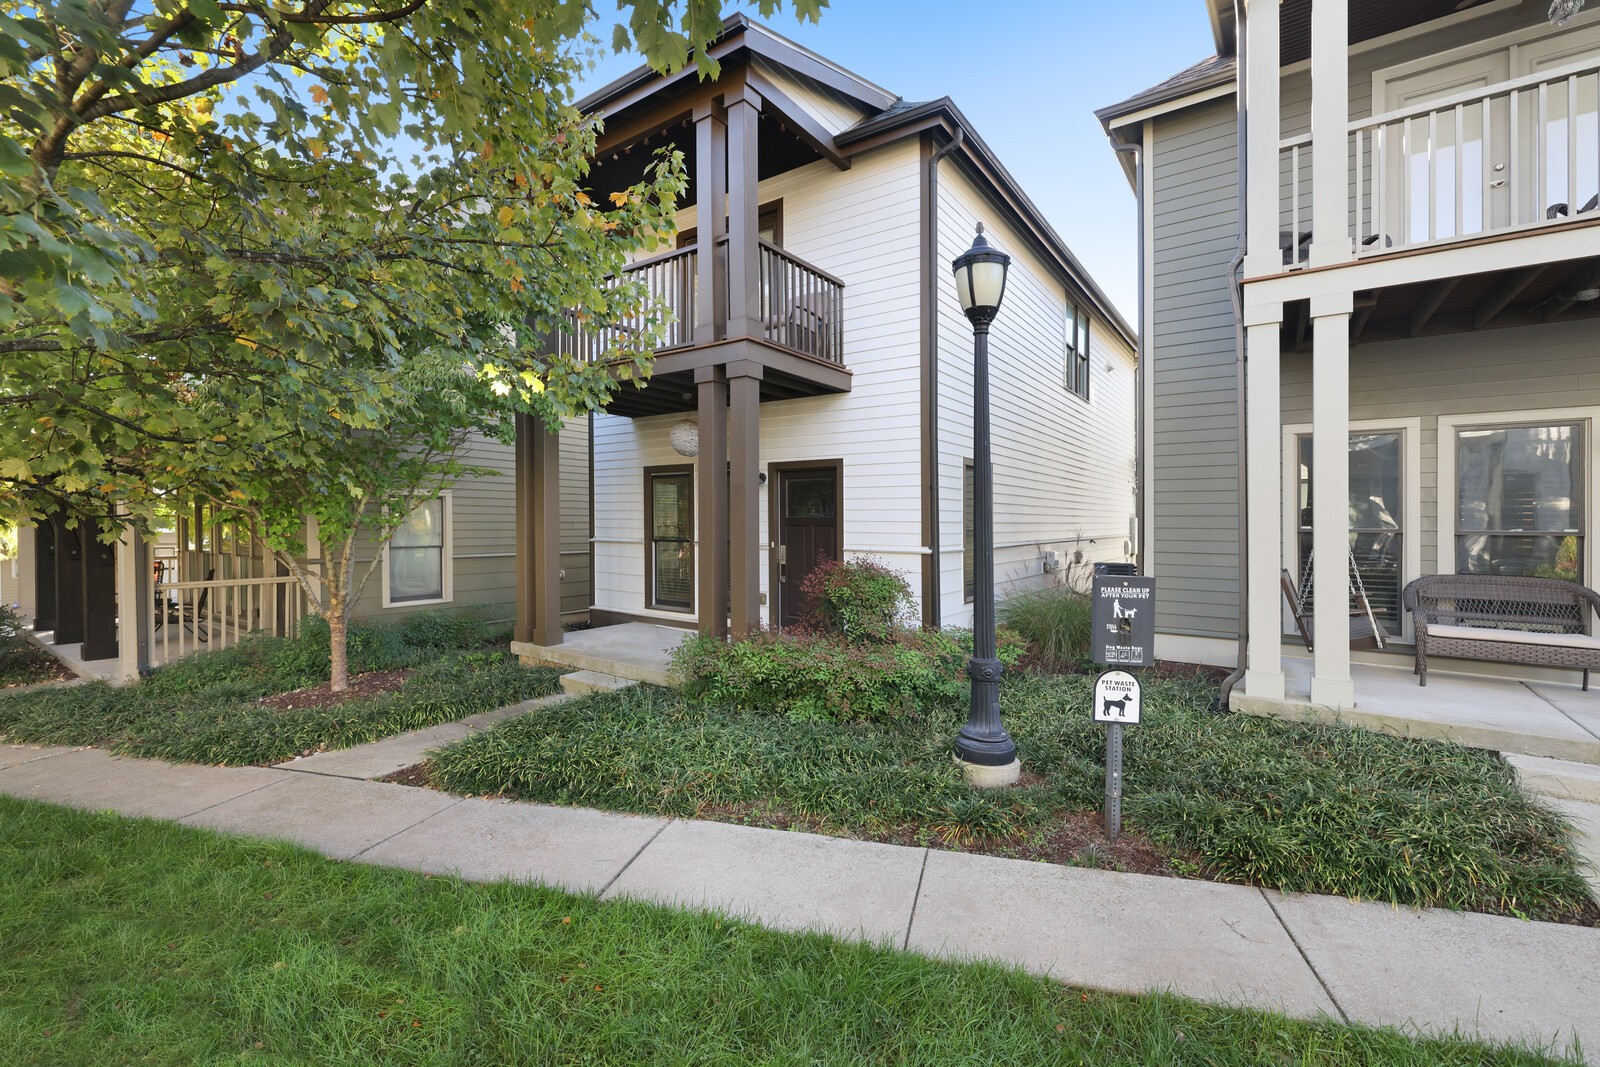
column 1063, row 467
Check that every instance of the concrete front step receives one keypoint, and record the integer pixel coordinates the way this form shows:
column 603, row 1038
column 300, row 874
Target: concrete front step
column 580, row 683
column 1562, row 779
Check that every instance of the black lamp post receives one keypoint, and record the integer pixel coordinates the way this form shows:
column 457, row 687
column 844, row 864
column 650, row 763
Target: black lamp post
column 983, row 746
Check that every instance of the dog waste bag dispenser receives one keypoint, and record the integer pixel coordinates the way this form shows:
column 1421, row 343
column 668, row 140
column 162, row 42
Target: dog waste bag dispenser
column 1123, row 620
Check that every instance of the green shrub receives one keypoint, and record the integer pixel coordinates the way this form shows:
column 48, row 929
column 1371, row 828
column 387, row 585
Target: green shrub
column 1055, row 624
column 14, row 648
column 818, row 677
column 859, row 600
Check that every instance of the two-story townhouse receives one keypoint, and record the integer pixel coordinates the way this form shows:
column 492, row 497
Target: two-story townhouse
column 1371, row 264
column 815, row 397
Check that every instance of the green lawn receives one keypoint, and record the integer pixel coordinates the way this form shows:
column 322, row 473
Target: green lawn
column 206, row 707
column 131, row 941
column 1294, row 806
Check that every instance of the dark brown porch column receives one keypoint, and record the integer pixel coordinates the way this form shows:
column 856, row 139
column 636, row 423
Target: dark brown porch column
column 100, row 596
column 744, row 213
column 713, row 493
column 711, row 190
column 44, row 575
column 744, row 496
column 69, row 581
column 538, row 532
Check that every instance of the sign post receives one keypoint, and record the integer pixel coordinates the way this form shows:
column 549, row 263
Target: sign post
column 1123, row 628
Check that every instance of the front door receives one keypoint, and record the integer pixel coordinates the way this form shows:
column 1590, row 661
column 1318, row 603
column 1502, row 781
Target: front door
column 807, row 514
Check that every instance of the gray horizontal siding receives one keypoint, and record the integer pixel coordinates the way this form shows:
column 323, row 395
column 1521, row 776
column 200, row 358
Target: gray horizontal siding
column 1194, row 459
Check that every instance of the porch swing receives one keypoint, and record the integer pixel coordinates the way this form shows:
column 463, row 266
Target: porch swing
column 1366, row 632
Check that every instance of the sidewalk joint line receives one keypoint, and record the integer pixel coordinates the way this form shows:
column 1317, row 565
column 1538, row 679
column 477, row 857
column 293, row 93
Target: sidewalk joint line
column 230, row 800
column 403, row 829
column 332, row 774
column 905, row 946
column 613, row 881
column 1295, row 941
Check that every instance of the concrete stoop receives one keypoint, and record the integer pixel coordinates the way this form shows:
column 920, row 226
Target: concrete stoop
column 581, row 683
column 1562, row 779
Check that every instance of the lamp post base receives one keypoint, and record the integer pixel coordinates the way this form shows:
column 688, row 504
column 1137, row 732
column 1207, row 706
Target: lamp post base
column 982, row 776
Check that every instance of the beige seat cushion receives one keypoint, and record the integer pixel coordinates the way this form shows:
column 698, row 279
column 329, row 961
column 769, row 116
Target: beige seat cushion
column 1519, row 637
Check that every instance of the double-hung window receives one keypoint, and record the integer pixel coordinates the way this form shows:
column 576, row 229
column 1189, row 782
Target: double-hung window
column 417, row 570
column 1075, row 368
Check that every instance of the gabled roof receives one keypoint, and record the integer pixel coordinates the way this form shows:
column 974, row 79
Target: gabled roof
column 1206, row 74
column 888, row 118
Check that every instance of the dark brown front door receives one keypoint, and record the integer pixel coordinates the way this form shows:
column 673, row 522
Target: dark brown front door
column 808, row 532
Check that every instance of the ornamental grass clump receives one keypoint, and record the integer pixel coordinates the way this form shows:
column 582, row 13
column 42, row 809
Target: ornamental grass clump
column 1055, row 623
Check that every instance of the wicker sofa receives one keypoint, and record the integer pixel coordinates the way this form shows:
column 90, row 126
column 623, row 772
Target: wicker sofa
column 1539, row 621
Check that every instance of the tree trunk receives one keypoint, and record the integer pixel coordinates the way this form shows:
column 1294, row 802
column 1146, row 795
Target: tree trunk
column 338, row 646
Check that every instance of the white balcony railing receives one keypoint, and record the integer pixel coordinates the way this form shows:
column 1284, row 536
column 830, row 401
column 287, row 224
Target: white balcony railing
column 1522, row 154
column 216, row 613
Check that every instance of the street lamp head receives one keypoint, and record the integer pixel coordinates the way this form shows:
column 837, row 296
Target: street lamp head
column 981, row 279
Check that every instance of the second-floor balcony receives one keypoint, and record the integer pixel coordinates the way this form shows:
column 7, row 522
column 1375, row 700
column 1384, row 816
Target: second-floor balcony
column 800, row 326
column 1517, row 155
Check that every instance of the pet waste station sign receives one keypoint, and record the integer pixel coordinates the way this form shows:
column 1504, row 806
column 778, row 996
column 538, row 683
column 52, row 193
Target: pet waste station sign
column 1123, row 634
column 1123, row 620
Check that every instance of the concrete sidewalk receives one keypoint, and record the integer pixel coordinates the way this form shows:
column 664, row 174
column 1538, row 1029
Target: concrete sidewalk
column 1308, row 956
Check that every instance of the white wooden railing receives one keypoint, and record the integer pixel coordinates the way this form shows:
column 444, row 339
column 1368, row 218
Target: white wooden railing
column 1521, row 154
column 188, row 616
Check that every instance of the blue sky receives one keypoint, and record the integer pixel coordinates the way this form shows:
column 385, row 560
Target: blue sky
column 1028, row 74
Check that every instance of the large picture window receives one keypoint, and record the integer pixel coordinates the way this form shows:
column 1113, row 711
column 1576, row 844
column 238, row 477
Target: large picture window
column 1520, row 500
column 669, row 548
column 418, row 565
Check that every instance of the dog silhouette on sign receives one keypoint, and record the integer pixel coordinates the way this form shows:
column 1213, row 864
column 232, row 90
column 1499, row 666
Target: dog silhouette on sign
column 1120, row 612
column 1121, row 705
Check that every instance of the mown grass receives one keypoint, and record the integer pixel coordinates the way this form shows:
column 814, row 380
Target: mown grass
column 131, row 941
column 1291, row 806
column 205, row 708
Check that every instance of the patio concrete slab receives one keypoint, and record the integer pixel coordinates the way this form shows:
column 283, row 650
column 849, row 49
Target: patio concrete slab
column 635, row 650
column 335, row 816
column 16, row 755
column 378, row 758
column 575, row 849
column 1493, row 713
column 1582, row 708
column 788, row 881
column 1128, row 933
column 90, row 778
column 1585, row 818
column 1500, row 978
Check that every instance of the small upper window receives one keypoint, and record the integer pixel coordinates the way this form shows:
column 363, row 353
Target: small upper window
column 1075, row 370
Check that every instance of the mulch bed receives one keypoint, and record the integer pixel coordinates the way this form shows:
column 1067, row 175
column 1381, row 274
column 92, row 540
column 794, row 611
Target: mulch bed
column 34, row 668
column 418, row 774
column 371, row 684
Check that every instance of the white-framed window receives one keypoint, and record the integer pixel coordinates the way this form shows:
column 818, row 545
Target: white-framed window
column 417, row 566
column 1384, row 511
column 1521, row 498
column 1075, row 361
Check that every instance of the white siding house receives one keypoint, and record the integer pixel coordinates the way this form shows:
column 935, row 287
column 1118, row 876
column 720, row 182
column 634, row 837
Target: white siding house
column 854, row 425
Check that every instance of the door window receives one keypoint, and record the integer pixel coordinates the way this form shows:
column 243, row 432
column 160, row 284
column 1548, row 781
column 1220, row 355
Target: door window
column 1376, row 517
column 669, row 505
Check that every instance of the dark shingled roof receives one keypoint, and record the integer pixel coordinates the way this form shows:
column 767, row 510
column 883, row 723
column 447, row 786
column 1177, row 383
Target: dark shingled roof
column 1210, row 72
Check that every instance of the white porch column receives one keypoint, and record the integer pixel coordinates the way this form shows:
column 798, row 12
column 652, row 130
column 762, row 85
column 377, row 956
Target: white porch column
column 27, row 573
column 1330, row 140
column 135, row 603
column 1330, row 500
column 1263, row 676
column 1261, row 78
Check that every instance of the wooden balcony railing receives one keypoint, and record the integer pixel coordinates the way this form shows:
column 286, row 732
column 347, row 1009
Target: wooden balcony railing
column 802, row 306
column 1521, row 154
column 188, row 616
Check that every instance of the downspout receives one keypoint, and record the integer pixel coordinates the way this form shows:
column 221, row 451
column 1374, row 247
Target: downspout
column 1136, row 150
column 930, row 301
column 1235, row 293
